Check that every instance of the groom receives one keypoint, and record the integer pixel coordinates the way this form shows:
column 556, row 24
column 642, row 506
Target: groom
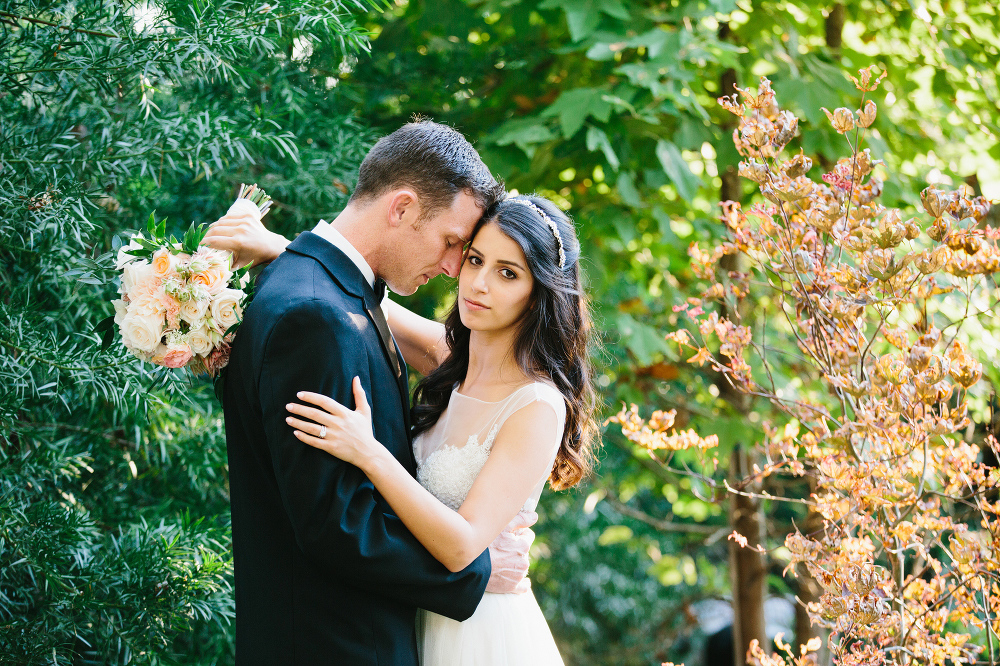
column 325, row 572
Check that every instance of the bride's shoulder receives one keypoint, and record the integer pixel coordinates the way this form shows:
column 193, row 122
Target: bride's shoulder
column 547, row 392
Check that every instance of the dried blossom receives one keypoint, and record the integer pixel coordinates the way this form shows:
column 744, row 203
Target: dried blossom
column 866, row 115
column 842, row 119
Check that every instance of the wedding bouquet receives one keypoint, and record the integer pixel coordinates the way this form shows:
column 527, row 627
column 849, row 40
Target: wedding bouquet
column 181, row 303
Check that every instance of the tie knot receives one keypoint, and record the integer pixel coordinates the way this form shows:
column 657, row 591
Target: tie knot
column 379, row 290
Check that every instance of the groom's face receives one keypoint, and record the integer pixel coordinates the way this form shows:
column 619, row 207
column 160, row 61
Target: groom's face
column 434, row 245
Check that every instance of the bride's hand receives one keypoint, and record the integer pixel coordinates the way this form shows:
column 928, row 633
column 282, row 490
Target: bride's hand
column 348, row 434
column 245, row 236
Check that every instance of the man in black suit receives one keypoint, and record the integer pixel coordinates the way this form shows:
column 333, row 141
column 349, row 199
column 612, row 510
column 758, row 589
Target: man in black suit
column 325, row 572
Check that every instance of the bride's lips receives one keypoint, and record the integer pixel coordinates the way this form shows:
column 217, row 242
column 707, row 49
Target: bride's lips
column 473, row 305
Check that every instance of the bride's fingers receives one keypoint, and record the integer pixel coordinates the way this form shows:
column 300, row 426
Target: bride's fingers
column 326, row 402
column 307, row 427
column 311, row 413
column 316, row 442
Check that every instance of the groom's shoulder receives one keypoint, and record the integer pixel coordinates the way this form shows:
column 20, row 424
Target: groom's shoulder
column 298, row 284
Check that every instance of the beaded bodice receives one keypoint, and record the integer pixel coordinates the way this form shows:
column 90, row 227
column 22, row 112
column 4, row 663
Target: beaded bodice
column 454, row 450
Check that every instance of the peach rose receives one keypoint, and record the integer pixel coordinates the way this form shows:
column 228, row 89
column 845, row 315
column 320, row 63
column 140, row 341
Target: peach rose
column 164, row 263
column 142, row 332
column 175, row 355
column 212, row 279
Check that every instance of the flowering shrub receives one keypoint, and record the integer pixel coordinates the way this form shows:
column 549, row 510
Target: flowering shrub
column 873, row 304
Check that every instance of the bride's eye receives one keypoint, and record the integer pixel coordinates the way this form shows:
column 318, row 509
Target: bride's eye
column 509, row 274
column 474, row 260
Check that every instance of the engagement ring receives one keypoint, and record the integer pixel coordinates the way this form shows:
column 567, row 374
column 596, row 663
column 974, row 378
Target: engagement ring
column 322, row 432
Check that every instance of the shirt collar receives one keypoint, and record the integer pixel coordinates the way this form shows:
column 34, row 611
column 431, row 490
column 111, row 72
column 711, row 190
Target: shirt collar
column 327, row 232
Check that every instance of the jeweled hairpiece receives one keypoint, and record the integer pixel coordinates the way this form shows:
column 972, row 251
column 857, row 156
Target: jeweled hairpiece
column 548, row 221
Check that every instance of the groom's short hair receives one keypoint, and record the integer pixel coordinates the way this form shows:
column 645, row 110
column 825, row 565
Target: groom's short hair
column 433, row 159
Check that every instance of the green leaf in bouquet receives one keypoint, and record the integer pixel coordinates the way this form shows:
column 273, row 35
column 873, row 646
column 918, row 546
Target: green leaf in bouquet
column 151, row 226
column 193, row 237
column 232, row 329
column 107, row 327
column 105, row 324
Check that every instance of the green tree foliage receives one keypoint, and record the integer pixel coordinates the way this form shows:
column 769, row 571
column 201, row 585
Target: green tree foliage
column 114, row 536
column 609, row 107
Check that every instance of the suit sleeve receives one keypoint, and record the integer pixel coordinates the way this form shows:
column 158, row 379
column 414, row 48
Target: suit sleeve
column 338, row 519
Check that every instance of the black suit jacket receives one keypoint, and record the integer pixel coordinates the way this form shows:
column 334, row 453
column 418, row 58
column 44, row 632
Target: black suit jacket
column 325, row 572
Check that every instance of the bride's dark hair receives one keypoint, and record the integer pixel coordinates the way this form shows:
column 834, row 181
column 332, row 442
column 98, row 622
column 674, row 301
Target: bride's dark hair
column 553, row 336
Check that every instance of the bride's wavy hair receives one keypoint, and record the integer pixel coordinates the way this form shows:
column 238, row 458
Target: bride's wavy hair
column 553, row 339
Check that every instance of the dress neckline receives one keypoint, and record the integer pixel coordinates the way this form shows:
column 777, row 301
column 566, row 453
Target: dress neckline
column 454, row 391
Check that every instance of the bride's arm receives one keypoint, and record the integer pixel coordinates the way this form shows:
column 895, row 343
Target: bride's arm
column 521, row 455
column 421, row 340
column 247, row 238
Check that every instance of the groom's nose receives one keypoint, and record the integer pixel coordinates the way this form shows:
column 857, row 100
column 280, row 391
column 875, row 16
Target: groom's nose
column 452, row 261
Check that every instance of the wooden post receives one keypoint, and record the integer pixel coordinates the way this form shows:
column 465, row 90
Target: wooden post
column 747, row 563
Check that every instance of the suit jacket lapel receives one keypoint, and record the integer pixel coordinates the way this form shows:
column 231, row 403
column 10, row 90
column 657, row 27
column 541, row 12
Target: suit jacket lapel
column 346, row 274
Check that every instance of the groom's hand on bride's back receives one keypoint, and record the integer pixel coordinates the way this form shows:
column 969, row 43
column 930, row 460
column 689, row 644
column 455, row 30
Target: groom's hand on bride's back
column 247, row 238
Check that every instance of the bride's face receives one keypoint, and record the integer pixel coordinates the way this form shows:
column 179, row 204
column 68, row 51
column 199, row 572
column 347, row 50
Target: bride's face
column 494, row 285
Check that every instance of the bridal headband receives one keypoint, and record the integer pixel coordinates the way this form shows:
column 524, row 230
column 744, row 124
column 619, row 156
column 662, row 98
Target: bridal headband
column 549, row 221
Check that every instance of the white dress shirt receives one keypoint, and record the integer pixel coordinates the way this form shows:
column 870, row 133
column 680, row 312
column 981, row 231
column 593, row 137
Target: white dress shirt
column 327, row 232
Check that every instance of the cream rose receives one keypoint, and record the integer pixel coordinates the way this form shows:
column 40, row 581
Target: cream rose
column 139, row 279
column 226, row 309
column 193, row 311
column 142, row 332
column 202, row 340
column 146, row 305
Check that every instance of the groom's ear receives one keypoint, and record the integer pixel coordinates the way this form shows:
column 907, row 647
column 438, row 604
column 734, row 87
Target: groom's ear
column 403, row 208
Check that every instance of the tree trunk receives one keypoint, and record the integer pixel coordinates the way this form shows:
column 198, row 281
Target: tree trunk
column 748, row 571
column 835, row 27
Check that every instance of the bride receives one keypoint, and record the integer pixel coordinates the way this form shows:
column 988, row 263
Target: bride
column 506, row 404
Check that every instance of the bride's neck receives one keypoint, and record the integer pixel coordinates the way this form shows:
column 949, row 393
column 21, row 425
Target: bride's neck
column 491, row 361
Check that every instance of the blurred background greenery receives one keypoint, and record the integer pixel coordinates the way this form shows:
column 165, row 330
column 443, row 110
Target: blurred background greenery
column 114, row 542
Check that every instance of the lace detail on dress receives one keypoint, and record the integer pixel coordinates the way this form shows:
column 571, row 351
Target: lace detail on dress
column 451, row 454
column 449, row 472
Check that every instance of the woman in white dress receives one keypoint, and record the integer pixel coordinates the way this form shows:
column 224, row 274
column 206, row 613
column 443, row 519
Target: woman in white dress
column 506, row 404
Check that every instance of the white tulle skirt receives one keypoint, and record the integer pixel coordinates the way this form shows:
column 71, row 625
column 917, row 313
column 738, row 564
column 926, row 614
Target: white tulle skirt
column 505, row 630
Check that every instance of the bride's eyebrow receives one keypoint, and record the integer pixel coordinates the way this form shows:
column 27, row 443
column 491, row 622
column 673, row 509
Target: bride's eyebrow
column 511, row 263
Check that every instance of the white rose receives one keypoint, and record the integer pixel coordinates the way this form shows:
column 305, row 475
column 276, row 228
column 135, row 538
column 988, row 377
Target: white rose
column 193, row 311
column 202, row 340
column 142, row 332
column 124, row 259
column 128, row 277
column 226, row 309
column 121, row 309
